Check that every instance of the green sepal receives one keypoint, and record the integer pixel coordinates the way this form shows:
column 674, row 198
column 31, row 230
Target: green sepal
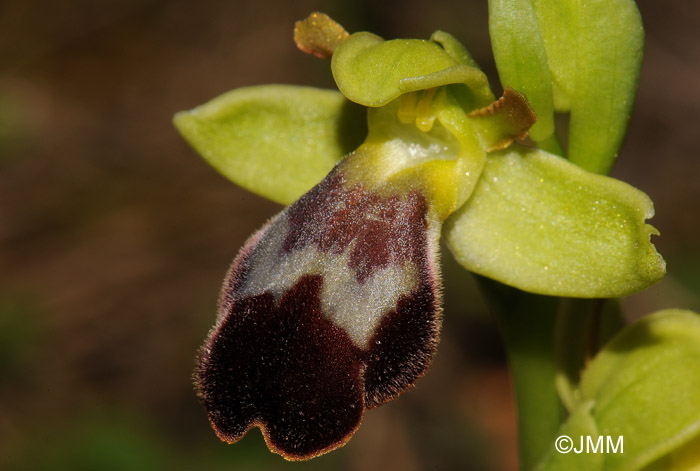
column 277, row 141
column 372, row 72
column 542, row 224
column 567, row 55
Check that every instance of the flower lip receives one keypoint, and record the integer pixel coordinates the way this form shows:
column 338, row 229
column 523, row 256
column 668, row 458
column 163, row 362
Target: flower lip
column 281, row 359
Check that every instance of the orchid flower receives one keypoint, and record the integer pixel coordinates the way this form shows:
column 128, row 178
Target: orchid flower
column 334, row 305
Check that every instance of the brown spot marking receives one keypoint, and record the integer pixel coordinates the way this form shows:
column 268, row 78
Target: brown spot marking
column 386, row 231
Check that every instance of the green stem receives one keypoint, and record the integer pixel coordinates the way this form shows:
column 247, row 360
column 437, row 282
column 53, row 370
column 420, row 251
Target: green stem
column 527, row 322
column 573, row 343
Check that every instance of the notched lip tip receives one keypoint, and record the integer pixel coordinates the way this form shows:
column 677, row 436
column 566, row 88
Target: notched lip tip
column 291, row 456
column 274, row 448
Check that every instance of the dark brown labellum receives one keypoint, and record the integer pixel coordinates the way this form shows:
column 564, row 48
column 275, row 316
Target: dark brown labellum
column 331, row 308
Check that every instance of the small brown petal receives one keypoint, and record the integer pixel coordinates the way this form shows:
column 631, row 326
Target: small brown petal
column 318, row 35
column 511, row 117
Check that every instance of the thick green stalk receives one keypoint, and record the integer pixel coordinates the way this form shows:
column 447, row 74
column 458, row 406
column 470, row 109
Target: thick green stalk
column 527, row 323
column 583, row 326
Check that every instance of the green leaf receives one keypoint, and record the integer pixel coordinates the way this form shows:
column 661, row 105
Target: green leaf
column 541, row 224
column 372, row 72
column 567, row 55
column 275, row 140
column 645, row 384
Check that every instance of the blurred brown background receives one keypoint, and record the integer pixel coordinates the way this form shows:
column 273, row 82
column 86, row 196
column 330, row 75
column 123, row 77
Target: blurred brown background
column 115, row 236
